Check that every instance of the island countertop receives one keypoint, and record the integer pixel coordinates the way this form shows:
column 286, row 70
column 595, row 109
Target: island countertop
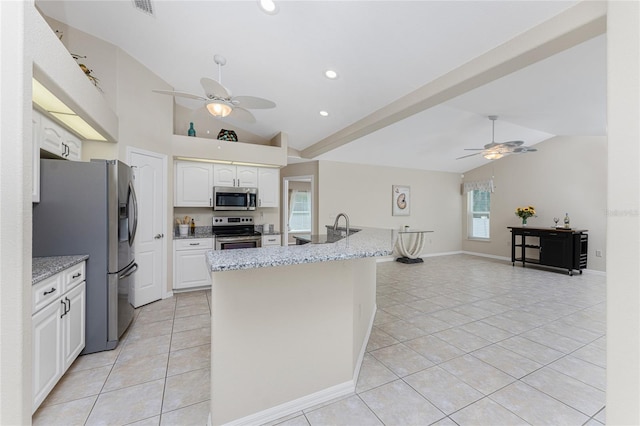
column 369, row 242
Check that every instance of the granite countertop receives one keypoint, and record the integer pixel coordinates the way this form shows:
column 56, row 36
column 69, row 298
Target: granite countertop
column 45, row 267
column 201, row 232
column 369, row 242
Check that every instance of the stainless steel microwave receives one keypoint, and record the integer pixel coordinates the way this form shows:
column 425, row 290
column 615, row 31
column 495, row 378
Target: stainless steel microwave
column 229, row 198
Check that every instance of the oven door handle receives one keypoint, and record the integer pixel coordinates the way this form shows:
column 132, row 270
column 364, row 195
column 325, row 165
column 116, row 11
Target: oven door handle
column 236, row 239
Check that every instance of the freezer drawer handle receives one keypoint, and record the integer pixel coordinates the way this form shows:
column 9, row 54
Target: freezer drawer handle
column 76, row 275
column 53, row 289
column 129, row 271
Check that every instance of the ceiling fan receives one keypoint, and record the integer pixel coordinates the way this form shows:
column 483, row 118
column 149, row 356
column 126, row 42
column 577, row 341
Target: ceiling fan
column 219, row 101
column 496, row 150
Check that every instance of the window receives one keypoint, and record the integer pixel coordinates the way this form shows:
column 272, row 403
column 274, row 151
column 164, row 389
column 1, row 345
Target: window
column 300, row 208
column 479, row 206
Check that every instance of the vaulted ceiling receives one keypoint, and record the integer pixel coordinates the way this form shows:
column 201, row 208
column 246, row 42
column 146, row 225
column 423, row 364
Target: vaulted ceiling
column 390, row 104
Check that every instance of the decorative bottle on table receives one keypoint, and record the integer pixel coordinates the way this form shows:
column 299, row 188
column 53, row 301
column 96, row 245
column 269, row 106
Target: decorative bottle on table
column 193, row 227
column 566, row 221
column 191, row 131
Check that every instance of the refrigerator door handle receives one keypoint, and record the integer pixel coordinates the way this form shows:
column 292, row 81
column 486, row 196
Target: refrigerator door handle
column 134, row 202
column 130, row 270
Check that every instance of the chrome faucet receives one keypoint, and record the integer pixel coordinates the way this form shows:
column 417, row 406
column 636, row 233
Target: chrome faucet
column 346, row 219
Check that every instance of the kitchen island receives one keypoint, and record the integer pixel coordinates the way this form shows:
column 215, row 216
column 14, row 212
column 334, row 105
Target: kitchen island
column 290, row 325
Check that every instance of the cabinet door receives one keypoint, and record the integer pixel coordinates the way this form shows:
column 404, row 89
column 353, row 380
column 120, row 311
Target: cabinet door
column 46, row 328
column 193, row 184
column 224, row 175
column 555, row 250
column 268, row 187
column 73, row 325
column 72, row 146
column 35, row 139
column 191, row 269
column 247, row 176
column 51, row 136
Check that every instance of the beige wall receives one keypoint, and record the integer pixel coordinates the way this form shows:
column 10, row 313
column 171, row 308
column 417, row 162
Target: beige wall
column 364, row 193
column 565, row 175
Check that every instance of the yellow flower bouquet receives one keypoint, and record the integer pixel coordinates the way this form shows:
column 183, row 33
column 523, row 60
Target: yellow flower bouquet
column 525, row 213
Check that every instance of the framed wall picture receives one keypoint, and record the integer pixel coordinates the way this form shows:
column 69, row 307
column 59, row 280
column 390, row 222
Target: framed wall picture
column 401, row 200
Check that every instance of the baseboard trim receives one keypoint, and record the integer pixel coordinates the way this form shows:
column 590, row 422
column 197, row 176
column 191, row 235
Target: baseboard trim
column 296, row 405
column 490, row 256
column 508, row 259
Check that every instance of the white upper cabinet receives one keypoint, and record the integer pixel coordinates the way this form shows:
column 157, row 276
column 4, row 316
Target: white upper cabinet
column 57, row 140
column 229, row 175
column 268, row 187
column 193, row 184
column 247, row 176
column 224, row 175
column 51, row 136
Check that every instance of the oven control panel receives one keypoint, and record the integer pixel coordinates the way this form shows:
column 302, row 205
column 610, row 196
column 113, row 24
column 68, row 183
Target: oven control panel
column 226, row 221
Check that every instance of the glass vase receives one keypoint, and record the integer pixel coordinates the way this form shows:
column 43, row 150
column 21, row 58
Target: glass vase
column 524, row 221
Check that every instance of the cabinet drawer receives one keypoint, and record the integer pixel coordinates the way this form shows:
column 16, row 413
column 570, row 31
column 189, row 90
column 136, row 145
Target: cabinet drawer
column 73, row 276
column 194, row 244
column 271, row 240
column 46, row 291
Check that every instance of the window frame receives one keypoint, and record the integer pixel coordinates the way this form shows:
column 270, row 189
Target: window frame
column 471, row 213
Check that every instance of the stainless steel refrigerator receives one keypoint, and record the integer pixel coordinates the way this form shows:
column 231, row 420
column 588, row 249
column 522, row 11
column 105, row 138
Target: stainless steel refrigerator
column 90, row 208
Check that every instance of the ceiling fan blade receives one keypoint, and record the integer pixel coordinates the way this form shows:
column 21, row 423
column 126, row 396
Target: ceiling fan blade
column 253, row 102
column 474, row 149
column 213, row 89
column 242, row 114
column 511, row 144
column 180, row 94
column 523, row 150
column 470, row 155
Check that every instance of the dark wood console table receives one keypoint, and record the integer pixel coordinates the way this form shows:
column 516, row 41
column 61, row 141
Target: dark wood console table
column 556, row 247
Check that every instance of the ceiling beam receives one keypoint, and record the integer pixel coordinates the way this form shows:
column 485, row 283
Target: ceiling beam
column 576, row 25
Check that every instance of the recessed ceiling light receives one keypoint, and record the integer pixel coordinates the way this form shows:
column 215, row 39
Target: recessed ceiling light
column 268, row 6
column 331, row 74
column 324, row 113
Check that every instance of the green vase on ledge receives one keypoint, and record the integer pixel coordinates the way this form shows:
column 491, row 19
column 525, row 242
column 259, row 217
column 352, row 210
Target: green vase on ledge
column 524, row 221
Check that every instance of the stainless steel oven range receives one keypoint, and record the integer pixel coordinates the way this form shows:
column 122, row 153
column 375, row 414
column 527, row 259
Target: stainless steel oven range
column 235, row 233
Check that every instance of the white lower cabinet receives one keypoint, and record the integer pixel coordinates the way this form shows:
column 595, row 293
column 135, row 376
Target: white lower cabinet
column 271, row 240
column 189, row 263
column 58, row 328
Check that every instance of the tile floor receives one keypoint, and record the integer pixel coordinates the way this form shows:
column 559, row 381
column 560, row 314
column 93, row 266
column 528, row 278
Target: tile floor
column 457, row 340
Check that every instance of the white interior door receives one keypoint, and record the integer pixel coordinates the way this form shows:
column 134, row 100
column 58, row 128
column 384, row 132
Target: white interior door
column 150, row 244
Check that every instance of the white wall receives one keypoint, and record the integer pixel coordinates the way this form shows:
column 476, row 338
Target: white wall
column 623, row 214
column 363, row 192
column 565, row 175
column 15, row 213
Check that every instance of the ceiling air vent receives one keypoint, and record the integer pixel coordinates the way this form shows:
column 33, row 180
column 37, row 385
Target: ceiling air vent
column 144, row 6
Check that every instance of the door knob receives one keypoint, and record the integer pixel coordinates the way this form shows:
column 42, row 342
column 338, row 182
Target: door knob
column 158, row 236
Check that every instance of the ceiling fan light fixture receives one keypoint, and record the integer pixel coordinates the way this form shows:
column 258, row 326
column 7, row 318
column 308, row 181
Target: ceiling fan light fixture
column 324, row 113
column 493, row 155
column 219, row 109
